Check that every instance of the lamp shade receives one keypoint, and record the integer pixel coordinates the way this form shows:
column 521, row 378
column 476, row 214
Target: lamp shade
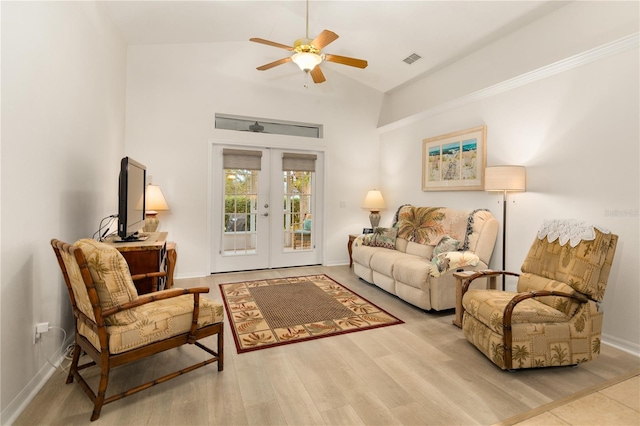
column 374, row 201
column 505, row 178
column 154, row 199
column 306, row 60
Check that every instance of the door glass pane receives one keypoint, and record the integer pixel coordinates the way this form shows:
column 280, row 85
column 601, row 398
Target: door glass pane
column 298, row 209
column 240, row 210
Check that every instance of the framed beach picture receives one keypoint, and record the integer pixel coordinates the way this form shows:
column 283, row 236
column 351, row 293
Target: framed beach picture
column 455, row 161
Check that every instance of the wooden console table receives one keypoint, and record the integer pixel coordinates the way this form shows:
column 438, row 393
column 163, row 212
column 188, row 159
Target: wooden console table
column 150, row 255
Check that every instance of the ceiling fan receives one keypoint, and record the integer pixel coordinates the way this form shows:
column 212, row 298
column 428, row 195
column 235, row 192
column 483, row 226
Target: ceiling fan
column 307, row 53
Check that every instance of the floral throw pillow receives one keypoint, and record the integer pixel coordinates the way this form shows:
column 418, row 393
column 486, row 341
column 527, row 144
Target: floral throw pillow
column 446, row 244
column 366, row 239
column 447, row 261
column 384, row 237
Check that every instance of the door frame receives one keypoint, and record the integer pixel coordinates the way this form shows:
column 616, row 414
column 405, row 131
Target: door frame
column 248, row 141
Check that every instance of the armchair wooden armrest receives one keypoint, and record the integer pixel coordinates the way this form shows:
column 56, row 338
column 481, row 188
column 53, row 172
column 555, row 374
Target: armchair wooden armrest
column 507, row 316
column 138, row 277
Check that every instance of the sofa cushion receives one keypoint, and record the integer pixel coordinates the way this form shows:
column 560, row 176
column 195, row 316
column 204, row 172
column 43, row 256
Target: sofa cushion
column 422, row 250
column 446, row 244
column 383, row 261
column 401, row 244
column 412, row 271
column 361, row 252
column 384, row 237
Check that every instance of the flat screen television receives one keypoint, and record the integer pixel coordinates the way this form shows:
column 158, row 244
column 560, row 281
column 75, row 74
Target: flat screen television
column 131, row 199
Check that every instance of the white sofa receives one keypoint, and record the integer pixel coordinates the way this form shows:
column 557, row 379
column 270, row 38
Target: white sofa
column 415, row 259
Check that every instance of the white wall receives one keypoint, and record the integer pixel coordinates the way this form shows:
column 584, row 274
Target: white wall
column 572, row 29
column 173, row 93
column 63, row 87
column 576, row 131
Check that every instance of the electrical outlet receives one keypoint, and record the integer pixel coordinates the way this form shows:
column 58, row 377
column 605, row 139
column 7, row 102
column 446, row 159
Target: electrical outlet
column 41, row 327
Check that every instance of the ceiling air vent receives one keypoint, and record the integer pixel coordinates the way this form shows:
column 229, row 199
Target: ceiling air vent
column 411, row 58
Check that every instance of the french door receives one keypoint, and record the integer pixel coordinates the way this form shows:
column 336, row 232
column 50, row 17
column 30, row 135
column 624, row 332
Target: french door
column 264, row 208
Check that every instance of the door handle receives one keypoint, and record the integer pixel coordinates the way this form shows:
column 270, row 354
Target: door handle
column 266, row 214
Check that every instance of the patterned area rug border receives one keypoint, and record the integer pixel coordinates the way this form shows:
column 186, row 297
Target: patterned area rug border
column 250, row 322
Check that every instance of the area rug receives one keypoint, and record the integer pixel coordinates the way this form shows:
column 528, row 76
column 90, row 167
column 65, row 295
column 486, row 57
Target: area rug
column 268, row 313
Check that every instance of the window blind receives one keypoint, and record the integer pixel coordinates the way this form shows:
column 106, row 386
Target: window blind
column 241, row 159
column 298, row 162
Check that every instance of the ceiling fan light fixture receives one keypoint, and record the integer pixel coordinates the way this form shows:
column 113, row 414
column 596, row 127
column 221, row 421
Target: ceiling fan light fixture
column 306, row 60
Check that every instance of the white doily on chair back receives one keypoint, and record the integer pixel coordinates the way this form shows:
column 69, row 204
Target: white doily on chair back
column 570, row 230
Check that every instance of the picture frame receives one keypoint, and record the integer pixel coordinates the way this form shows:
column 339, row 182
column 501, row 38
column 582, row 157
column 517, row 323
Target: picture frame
column 455, row 161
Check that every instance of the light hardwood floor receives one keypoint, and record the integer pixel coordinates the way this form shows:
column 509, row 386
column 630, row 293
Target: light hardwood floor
column 420, row 372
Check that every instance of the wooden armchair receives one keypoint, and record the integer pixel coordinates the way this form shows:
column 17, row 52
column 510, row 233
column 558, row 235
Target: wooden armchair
column 553, row 319
column 114, row 326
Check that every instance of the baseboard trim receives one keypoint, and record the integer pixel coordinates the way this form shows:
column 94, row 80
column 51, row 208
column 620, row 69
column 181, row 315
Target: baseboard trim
column 13, row 410
column 609, row 49
column 623, row 345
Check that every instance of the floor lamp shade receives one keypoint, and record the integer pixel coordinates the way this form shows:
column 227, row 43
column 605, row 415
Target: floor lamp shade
column 505, row 179
column 374, row 203
column 154, row 202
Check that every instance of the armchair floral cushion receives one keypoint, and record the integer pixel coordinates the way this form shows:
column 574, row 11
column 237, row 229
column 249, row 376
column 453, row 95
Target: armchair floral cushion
column 112, row 278
column 156, row 321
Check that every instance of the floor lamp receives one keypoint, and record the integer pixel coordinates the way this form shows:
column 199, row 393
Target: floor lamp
column 505, row 179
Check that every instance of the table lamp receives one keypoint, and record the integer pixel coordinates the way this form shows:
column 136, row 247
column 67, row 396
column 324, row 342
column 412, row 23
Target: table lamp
column 374, row 203
column 155, row 202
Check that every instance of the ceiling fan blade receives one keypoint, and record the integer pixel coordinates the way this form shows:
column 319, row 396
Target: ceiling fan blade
column 271, row 43
column 274, row 64
column 344, row 60
column 324, row 39
column 317, row 75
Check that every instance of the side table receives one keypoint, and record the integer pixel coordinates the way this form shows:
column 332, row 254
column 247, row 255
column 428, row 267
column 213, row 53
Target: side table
column 349, row 244
column 460, row 277
column 145, row 256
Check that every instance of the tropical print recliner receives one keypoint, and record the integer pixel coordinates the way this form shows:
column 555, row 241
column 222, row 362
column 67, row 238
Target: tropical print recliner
column 554, row 318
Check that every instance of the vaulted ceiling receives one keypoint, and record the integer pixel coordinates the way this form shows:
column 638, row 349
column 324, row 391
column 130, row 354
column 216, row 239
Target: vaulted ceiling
column 382, row 32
